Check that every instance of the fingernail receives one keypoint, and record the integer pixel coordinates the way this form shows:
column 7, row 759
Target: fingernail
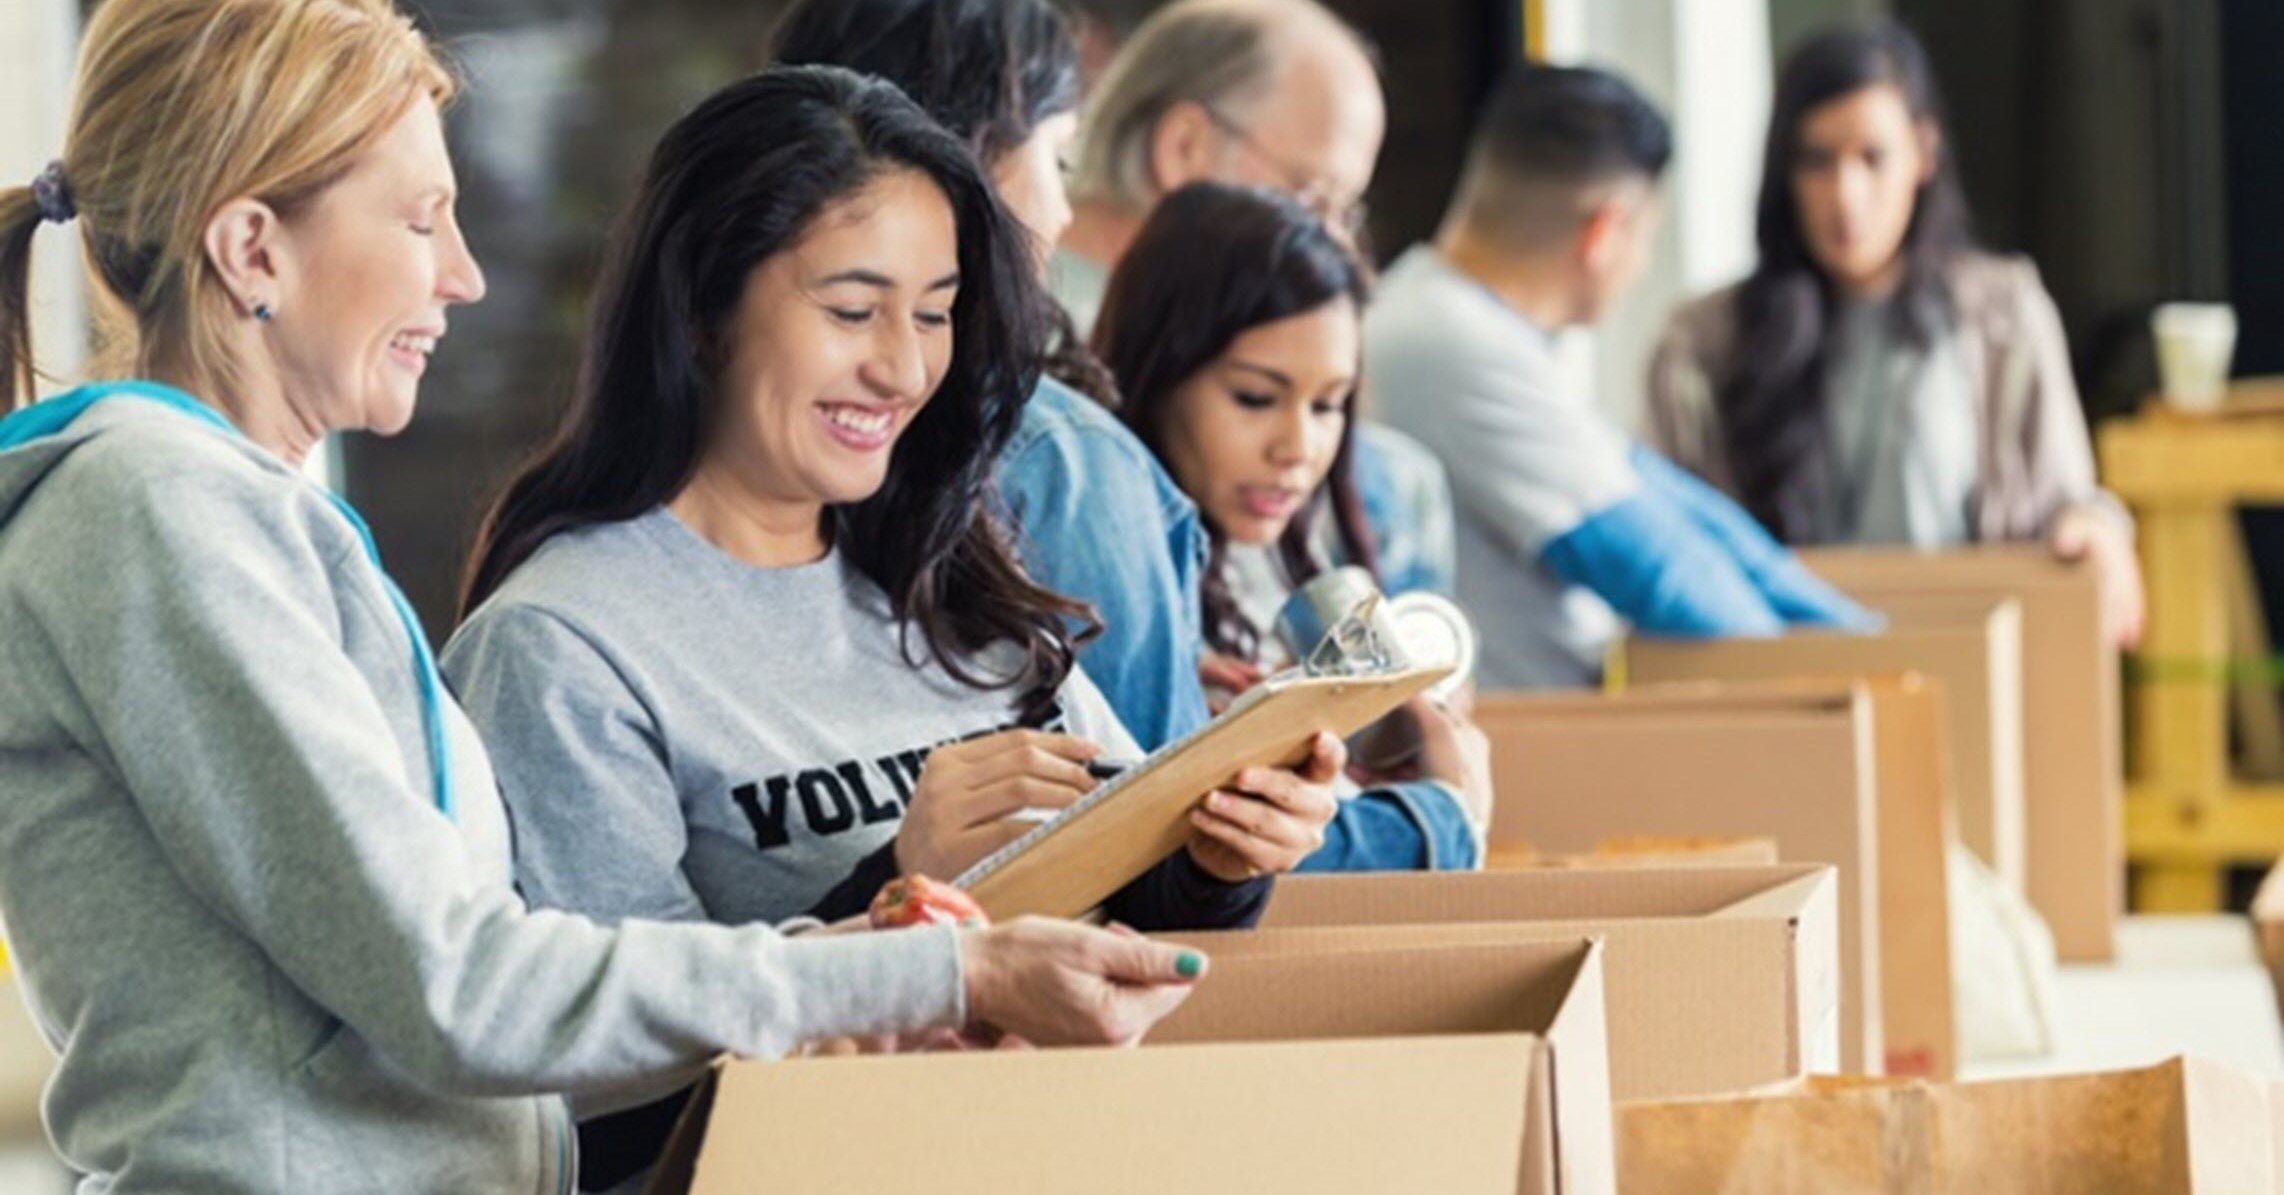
column 1190, row 965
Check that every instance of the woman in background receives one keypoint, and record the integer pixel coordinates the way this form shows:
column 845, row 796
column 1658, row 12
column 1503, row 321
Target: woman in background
column 1877, row 379
column 1233, row 330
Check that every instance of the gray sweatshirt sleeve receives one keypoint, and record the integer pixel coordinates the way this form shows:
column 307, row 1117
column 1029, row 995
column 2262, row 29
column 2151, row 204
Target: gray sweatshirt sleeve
column 206, row 626
column 582, row 766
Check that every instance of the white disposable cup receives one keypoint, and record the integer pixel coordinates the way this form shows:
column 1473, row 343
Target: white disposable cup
column 2194, row 344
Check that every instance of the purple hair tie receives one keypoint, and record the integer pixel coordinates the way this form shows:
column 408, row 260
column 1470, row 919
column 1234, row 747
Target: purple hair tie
column 53, row 195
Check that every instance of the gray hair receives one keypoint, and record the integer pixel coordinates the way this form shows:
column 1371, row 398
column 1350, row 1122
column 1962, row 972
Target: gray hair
column 1209, row 52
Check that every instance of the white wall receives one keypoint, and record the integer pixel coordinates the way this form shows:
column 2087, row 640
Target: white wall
column 1706, row 63
column 36, row 39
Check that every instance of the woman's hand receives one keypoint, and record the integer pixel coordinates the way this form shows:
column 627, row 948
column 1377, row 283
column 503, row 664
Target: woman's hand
column 958, row 812
column 1059, row 983
column 1275, row 819
column 1224, row 677
column 2087, row 532
column 1455, row 751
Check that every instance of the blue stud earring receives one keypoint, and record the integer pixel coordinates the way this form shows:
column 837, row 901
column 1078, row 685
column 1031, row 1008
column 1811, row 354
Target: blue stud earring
column 262, row 312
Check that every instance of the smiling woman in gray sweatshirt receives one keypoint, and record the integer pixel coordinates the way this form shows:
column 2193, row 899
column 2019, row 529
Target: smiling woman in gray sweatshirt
column 253, row 863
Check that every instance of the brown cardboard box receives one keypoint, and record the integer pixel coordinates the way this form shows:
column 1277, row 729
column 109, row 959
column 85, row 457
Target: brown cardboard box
column 1972, row 647
column 2180, row 1128
column 1756, row 949
column 1300, row 987
column 1846, row 773
column 2268, row 923
column 1378, row 1116
column 2073, row 758
column 1645, row 850
column 1473, row 1068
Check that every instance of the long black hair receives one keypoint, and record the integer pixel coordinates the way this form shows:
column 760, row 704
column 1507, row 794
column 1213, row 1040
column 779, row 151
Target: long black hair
column 1212, row 262
column 734, row 183
column 991, row 71
column 1770, row 390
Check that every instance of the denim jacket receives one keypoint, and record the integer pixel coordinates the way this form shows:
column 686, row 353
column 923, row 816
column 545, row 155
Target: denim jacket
column 1098, row 520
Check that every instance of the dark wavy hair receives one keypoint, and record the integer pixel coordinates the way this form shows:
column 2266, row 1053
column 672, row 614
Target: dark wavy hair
column 1212, row 262
column 991, row 71
column 1770, row 391
column 734, row 183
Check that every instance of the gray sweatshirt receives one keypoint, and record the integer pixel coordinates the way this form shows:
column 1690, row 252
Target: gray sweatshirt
column 683, row 735
column 267, row 959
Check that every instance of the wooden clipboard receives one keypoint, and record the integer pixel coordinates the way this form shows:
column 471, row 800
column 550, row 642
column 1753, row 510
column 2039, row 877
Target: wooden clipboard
column 1115, row 833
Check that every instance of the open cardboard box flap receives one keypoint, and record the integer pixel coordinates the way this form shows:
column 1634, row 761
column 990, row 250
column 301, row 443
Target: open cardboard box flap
column 1470, row 1068
column 1278, row 986
column 1445, row 1114
column 2073, row 753
column 1970, row 644
column 2182, row 1127
column 1853, row 773
column 1755, row 949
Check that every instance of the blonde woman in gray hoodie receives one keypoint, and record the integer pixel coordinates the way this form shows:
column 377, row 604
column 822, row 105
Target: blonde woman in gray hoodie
column 253, row 863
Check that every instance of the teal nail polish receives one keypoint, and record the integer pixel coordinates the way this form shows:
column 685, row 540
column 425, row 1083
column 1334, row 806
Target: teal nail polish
column 1190, row 965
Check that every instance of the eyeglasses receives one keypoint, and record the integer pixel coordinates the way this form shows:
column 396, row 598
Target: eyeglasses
column 1317, row 194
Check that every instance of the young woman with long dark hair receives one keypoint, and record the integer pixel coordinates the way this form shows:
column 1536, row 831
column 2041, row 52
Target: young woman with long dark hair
column 745, row 639
column 1234, row 331
column 1877, row 378
column 1002, row 76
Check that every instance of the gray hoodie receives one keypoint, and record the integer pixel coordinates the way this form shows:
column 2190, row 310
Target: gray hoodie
column 269, row 962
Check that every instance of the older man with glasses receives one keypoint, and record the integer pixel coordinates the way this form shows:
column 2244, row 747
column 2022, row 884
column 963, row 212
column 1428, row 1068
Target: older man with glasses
column 1270, row 93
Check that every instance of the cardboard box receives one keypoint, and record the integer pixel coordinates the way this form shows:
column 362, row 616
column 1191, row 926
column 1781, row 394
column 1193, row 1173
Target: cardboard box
column 1378, row 1116
column 1645, row 850
column 1972, row 647
column 2268, row 925
column 1303, row 987
column 2073, row 757
column 1718, row 979
column 2180, row 1128
column 1848, row 773
column 1474, row 1068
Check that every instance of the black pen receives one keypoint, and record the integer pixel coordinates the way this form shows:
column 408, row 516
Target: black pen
column 1103, row 769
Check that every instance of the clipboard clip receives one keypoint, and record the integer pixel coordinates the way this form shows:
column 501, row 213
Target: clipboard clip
column 1360, row 643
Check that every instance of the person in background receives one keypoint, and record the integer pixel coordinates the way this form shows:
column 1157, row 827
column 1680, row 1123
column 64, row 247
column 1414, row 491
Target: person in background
column 1234, row 330
column 1565, row 526
column 1877, row 379
column 1274, row 93
column 746, row 640
column 253, row 864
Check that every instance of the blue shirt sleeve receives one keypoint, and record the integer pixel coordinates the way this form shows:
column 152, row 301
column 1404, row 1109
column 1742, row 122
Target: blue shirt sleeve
column 1098, row 521
column 1661, row 572
column 1413, row 826
column 1796, row 594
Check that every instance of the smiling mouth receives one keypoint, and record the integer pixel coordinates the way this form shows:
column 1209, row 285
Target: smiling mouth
column 862, row 422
